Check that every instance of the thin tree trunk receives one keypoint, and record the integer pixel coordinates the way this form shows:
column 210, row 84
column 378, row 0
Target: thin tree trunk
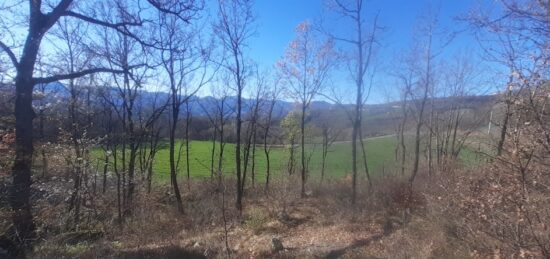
column 303, row 150
column 365, row 161
column 354, row 135
column 324, row 158
column 105, row 168
column 291, row 158
column 268, row 167
column 403, row 146
column 421, row 113
column 240, row 178
column 266, row 148
column 504, row 127
column 213, row 154
column 173, row 173
column 430, row 136
column 222, row 147
column 118, row 187
column 187, row 155
column 253, row 167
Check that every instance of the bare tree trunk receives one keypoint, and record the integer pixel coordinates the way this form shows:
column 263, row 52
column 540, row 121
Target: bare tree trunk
column 364, row 153
column 402, row 137
column 105, row 168
column 240, row 178
column 253, row 167
column 291, row 158
column 118, row 185
column 173, row 173
column 430, row 137
column 303, row 150
column 74, row 202
column 234, row 33
column 221, row 111
column 21, row 172
column 150, row 177
column 267, row 165
column 417, row 139
column 421, row 110
column 354, row 136
column 187, row 122
column 266, row 148
column 324, row 154
column 153, row 148
column 504, row 126
column 213, row 154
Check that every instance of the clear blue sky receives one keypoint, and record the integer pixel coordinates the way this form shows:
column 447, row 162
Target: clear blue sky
column 277, row 19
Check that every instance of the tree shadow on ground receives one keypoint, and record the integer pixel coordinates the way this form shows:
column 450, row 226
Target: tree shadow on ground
column 170, row 252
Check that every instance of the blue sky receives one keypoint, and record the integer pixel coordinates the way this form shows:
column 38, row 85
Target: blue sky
column 277, row 19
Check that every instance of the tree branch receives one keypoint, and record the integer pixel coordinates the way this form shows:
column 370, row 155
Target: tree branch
column 10, row 54
column 85, row 18
column 54, row 15
column 45, row 80
column 178, row 11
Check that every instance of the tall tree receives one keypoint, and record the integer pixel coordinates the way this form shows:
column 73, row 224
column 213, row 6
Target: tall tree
column 234, row 28
column 305, row 67
column 73, row 57
column 184, row 59
column 272, row 97
column 428, row 45
column 360, row 55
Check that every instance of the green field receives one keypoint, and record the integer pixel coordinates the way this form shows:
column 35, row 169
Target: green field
column 380, row 153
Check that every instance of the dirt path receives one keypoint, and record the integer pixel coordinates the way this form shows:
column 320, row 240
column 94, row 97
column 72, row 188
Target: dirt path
column 335, row 142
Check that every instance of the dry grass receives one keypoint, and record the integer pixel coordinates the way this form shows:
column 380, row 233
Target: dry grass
column 388, row 221
column 323, row 224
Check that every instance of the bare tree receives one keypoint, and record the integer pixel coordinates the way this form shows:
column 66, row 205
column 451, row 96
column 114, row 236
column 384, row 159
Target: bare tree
column 234, row 28
column 360, row 56
column 218, row 115
column 406, row 76
column 514, row 39
column 184, row 60
column 188, row 118
column 42, row 107
column 429, row 40
column 305, row 67
column 273, row 95
column 40, row 19
column 223, row 113
column 252, row 123
column 74, row 58
column 331, row 128
column 128, row 55
column 151, row 106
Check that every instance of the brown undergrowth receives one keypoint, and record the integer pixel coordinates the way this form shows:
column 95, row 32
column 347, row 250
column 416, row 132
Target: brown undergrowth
column 438, row 218
column 323, row 224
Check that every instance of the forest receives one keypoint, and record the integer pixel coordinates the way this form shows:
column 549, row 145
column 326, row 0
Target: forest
column 252, row 129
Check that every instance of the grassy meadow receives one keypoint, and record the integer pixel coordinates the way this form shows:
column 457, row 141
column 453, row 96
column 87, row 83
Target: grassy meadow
column 380, row 157
column 380, row 153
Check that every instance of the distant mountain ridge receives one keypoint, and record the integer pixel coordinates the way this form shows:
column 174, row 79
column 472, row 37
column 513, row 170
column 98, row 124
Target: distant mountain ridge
column 197, row 104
